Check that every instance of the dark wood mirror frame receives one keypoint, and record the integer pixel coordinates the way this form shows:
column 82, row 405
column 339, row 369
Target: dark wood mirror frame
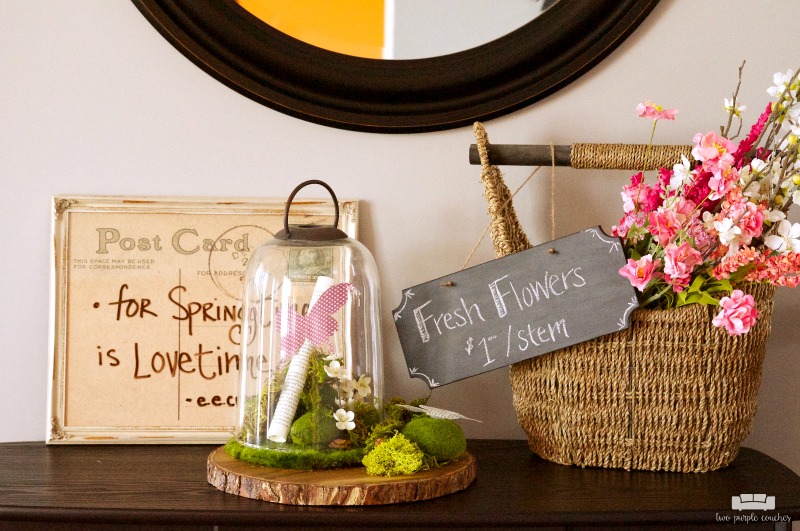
column 395, row 96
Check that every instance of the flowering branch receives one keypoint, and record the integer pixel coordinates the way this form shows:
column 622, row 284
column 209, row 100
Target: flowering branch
column 718, row 221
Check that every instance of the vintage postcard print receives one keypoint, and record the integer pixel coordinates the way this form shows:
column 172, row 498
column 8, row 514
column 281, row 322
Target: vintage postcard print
column 145, row 312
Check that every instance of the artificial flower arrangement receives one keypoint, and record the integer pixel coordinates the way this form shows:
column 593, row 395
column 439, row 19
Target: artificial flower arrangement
column 709, row 225
column 336, row 425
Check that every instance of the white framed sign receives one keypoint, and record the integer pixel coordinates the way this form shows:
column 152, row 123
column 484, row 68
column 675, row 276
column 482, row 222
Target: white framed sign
column 145, row 312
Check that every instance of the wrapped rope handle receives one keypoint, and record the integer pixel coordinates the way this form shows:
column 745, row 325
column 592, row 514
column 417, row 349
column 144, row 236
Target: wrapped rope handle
column 580, row 156
column 505, row 228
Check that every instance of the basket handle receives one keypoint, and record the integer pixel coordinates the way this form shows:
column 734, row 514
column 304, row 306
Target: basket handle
column 583, row 156
column 505, row 228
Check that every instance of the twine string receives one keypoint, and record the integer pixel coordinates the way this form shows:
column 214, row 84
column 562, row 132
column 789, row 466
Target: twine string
column 507, row 202
column 552, row 192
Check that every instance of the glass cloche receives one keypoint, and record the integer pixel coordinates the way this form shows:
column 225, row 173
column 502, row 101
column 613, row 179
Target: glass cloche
column 311, row 375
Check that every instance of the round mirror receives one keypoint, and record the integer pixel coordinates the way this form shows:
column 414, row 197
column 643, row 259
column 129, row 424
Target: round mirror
column 396, row 29
column 431, row 93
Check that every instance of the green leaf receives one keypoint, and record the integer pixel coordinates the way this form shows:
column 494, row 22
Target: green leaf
column 700, row 290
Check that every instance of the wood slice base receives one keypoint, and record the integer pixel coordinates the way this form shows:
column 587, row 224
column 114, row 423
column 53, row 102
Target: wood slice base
column 343, row 486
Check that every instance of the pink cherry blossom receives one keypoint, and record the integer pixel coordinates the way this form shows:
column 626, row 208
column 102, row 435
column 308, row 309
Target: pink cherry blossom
column 639, row 196
column 751, row 219
column 684, row 208
column 640, row 272
column 630, row 193
column 664, row 225
column 722, row 182
column 679, row 262
column 714, row 151
column 738, row 313
column 648, row 109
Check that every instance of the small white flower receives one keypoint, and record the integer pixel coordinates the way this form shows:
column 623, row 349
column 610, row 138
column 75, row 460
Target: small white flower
column 362, row 386
column 787, row 240
column 728, row 232
column 753, row 191
column 344, row 419
column 335, row 370
column 758, row 166
column 744, row 176
column 773, row 216
column 796, row 197
column 781, row 80
column 708, row 220
column 333, row 356
column 730, row 108
column 344, row 387
column 681, row 174
column 344, row 401
column 791, row 138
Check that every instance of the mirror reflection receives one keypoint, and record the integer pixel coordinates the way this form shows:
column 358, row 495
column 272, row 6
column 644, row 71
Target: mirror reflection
column 396, row 29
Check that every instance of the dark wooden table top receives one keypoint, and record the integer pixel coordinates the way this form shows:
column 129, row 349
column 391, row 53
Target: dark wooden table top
column 166, row 486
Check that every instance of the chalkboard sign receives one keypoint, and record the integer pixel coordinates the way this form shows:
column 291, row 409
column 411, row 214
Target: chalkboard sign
column 515, row 308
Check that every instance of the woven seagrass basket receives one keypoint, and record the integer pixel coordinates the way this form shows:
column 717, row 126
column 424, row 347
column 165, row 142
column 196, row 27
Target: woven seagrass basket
column 672, row 392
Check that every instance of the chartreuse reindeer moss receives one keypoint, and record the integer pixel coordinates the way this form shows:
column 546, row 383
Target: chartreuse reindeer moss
column 393, row 457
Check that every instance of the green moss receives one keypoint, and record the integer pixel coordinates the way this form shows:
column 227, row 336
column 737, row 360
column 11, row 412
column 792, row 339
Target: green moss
column 315, row 393
column 314, row 429
column 303, row 459
column 393, row 457
column 430, row 442
column 441, row 439
column 366, row 418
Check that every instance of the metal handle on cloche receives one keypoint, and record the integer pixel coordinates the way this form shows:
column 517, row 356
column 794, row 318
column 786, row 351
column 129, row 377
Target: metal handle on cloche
column 311, row 232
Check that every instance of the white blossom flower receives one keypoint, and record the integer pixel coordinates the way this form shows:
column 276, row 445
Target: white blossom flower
column 333, row 356
column 758, row 166
column 773, row 169
column 708, row 220
column 793, row 116
column 362, row 386
column 681, row 174
column 344, row 419
column 753, row 191
column 781, row 80
column 791, row 138
column 728, row 232
column 734, row 110
column 774, row 216
column 335, row 370
column 344, row 401
column 346, row 386
column 796, row 197
column 787, row 238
